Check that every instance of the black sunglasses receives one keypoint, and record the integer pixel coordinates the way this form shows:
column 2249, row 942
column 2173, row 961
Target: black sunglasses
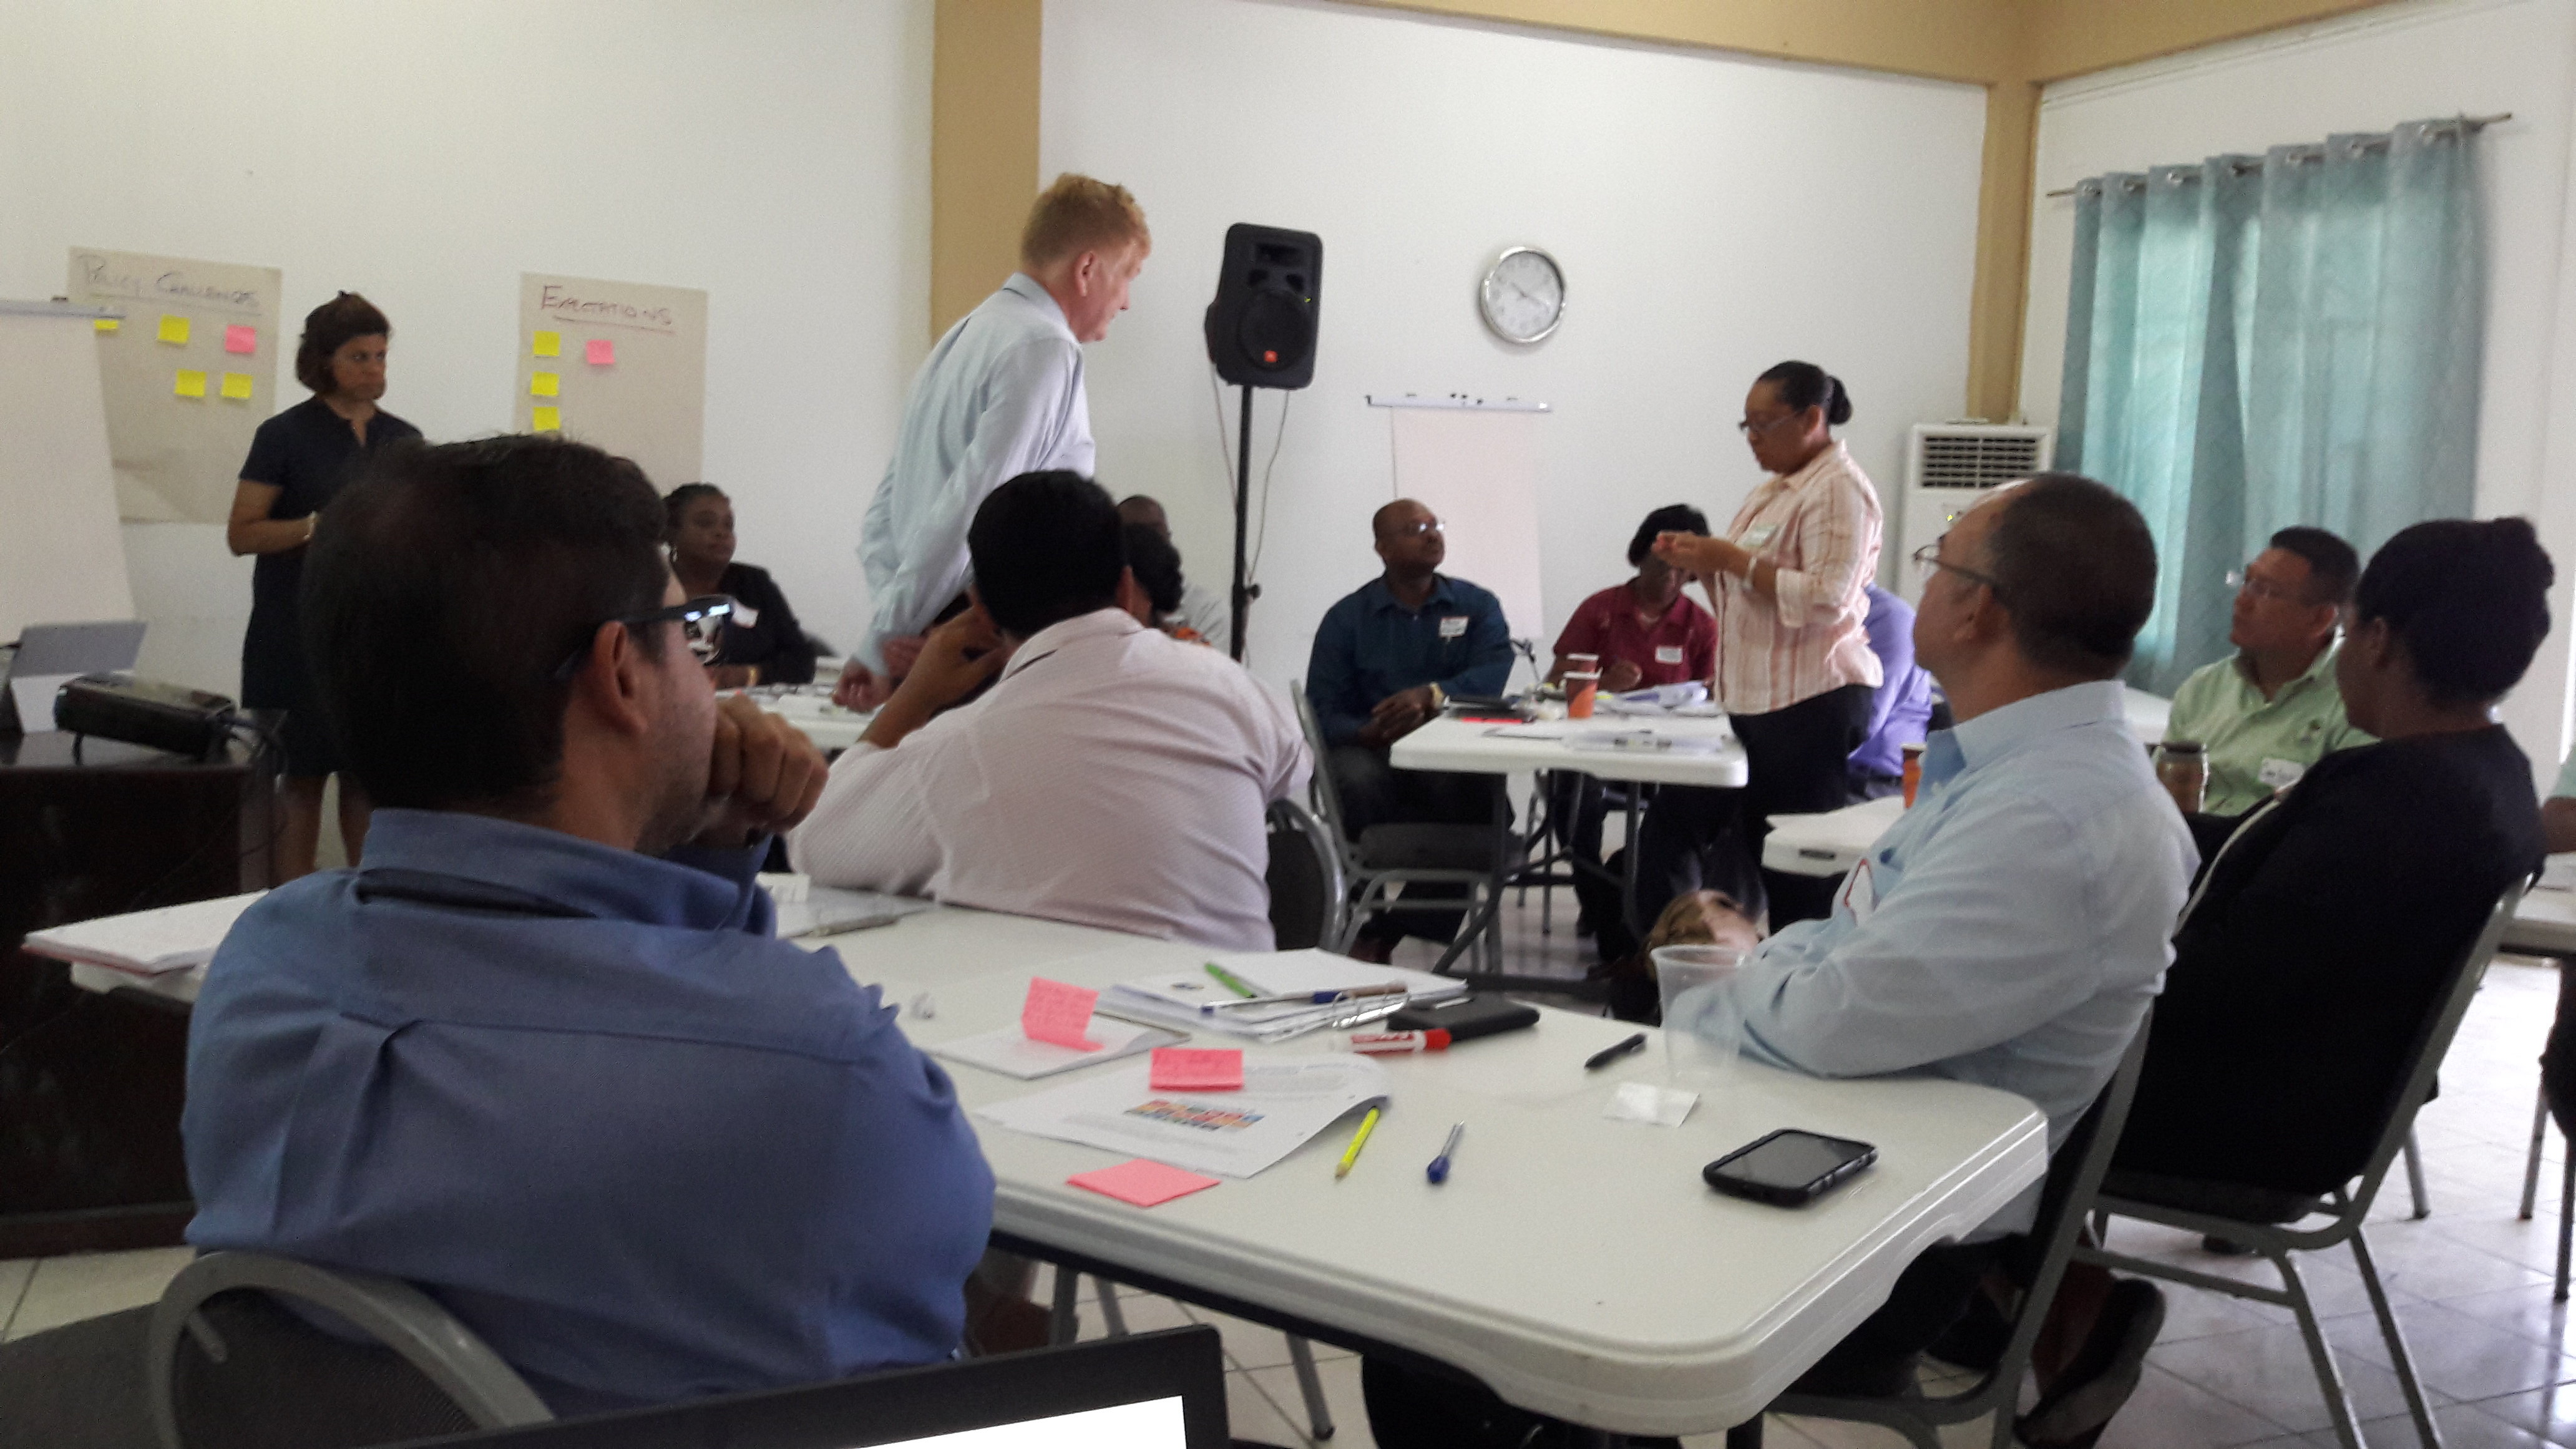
column 701, row 622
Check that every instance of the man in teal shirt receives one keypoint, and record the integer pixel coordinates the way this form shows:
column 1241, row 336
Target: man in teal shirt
column 2273, row 710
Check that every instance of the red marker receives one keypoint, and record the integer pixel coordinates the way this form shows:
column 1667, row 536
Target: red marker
column 1399, row 1043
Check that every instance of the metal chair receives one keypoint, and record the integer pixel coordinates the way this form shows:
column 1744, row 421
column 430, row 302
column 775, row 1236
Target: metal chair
column 225, row 1364
column 2267, row 1222
column 2566, row 1190
column 2039, row 1263
column 1307, row 887
column 1385, row 858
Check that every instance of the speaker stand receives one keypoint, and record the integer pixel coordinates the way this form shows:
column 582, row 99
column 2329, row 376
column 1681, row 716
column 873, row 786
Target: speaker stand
column 1244, row 593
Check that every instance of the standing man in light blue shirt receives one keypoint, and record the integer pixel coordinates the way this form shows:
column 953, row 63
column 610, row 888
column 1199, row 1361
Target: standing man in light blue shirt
column 2015, row 924
column 1001, row 395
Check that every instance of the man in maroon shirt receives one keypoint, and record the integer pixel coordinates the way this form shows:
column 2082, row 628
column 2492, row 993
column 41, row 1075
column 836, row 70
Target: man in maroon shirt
column 1644, row 632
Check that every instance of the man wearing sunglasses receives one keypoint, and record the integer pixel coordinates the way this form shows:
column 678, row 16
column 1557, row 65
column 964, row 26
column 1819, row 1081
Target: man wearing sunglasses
column 546, row 1038
column 2273, row 710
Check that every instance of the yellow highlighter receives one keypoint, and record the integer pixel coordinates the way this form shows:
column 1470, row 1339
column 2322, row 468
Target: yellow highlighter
column 1359, row 1139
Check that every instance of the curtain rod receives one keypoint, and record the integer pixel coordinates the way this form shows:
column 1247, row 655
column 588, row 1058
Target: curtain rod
column 2314, row 151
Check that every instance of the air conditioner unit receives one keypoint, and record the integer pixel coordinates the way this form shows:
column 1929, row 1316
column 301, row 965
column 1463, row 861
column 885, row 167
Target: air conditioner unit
column 1948, row 467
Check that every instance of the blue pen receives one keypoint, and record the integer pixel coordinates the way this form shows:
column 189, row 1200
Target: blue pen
column 1438, row 1171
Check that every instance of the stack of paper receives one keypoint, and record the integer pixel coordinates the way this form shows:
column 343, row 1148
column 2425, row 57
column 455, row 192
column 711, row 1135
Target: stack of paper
column 1232, row 1134
column 147, row 943
column 1198, row 999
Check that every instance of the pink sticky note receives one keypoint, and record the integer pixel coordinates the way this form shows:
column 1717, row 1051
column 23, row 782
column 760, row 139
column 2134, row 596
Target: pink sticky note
column 241, row 339
column 1059, row 1013
column 601, row 352
column 1142, row 1182
column 1186, row 1069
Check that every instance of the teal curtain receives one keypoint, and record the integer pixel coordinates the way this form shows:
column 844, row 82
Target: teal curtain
column 2254, row 342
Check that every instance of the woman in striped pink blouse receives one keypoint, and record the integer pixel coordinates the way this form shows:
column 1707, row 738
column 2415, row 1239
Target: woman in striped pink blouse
column 1794, row 667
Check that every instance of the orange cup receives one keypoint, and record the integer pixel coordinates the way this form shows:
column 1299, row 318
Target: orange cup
column 1580, row 691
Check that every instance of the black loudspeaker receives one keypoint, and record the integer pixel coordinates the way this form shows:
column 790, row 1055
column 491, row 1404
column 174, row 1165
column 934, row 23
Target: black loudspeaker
column 1261, row 327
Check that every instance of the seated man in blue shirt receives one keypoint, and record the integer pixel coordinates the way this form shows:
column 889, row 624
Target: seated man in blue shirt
column 2013, row 927
column 1900, row 709
column 1386, row 657
column 543, row 1056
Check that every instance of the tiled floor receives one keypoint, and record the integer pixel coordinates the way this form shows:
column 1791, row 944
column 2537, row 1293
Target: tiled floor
column 2471, row 1284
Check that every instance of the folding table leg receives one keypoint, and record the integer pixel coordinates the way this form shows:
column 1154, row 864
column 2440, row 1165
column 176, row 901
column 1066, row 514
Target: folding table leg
column 2566, row 1223
column 2415, row 1177
column 2531, row 1165
column 1063, row 1325
column 1111, row 1314
column 1319, row 1416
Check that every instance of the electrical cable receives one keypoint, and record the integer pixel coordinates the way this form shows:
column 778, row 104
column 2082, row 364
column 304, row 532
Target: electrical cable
column 1278, row 440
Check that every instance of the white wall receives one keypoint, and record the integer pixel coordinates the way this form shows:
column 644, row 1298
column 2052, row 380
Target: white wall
column 2366, row 73
column 1713, row 215
column 425, row 152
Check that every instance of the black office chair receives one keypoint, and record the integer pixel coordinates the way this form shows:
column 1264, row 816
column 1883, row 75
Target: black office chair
column 1307, row 887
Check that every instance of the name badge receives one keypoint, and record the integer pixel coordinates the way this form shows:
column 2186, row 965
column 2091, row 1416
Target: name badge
column 745, row 615
column 2278, row 774
column 1860, row 892
column 1453, row 626
column 1668, row 654
column 1758, row 535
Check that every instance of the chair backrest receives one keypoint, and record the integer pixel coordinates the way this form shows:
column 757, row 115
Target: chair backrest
column 2432, row 1043
column 2074, row 1177
column 1327, row 794
column 291, row 1368
column 1307, row 889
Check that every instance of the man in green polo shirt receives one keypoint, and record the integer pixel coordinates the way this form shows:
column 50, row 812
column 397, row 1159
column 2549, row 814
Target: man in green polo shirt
column 2273, row 710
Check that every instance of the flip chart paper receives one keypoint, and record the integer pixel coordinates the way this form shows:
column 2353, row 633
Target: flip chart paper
column 174, row 329
column 192, row 383
column 1187, row 1069
column 545, row 384
column 549, row 344
column 548, row 420
column 241, row 339
column 1058, row 1013
column 601, row 352
column 1144, row 1182
column 237, row 385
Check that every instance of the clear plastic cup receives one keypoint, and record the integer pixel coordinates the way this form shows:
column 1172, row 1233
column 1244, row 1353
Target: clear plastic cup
column 1703, row 1026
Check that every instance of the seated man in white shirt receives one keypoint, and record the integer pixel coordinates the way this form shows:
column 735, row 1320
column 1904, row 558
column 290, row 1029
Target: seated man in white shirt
column 1113, row 776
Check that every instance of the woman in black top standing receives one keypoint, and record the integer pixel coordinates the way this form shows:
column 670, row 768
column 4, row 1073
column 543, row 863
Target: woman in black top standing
column 763, row 643
column 298, row 460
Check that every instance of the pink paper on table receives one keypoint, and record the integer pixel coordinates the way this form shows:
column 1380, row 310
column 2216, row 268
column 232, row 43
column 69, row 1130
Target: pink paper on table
column 601, row 352
column 1059, row 1013
column 1144, row 1182
column 1187, row 1069
column 241, row 339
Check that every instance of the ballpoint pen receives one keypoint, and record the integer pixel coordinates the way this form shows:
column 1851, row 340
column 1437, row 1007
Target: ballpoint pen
column 1438, row 1171
column 1613, row 1052
column 1230, row 981
column 1368, row 1124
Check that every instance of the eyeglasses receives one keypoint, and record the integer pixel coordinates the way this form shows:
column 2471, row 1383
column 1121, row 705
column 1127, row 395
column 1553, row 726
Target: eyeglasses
column 2243, row 581
column 1928, row 557
column 701, row 620
column 1752, row 429
column 1419, row 528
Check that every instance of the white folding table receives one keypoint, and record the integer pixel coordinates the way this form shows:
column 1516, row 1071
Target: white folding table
column 1475, row 747
column 1577, row 1266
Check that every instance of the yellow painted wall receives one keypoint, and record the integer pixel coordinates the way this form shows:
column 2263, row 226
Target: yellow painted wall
column 983, row 147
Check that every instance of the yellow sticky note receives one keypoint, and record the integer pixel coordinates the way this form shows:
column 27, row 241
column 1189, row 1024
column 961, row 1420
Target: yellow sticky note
column 192, row 383
column 237, row 384
column 545, row 384
column 105, row 324
column 549, row 344
column 174, row 329
column 549, row 420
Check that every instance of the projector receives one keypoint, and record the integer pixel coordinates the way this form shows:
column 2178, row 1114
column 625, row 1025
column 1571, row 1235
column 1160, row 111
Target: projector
column 145, row 712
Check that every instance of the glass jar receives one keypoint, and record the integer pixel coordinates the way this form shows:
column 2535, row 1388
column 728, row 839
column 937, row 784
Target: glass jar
column 2182, row 767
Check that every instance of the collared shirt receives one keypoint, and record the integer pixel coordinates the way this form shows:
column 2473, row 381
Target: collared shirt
column 644, row 1148
column 1207, row 614
column 2257, row 745
column 1369, row 647
column 1901, row 707
column 1113, row 776
column 1000, row 395
column 1680, row 645
column 1819, row 527
column 2009, row 930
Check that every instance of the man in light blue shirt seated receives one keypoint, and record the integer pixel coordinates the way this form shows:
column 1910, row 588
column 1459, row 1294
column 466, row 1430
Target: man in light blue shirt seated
column 543, row 1055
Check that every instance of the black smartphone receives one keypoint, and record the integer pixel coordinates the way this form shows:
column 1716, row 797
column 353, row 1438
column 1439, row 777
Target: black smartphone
column 1788, row 1168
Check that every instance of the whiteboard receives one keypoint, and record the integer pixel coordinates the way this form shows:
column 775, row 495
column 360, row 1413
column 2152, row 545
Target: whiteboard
column 189, row 373
column 1478, row 470
column 62, row 557
column 618, row 365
